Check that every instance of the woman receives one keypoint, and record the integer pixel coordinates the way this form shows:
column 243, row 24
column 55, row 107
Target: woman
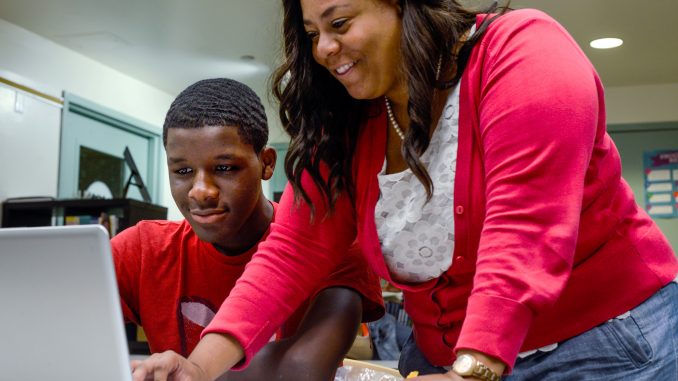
column 468, row 155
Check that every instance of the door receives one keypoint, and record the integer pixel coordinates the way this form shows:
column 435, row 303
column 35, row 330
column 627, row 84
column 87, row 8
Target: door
column 93, row 140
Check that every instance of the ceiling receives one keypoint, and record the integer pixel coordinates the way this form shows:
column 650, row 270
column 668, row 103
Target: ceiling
column 172, row 43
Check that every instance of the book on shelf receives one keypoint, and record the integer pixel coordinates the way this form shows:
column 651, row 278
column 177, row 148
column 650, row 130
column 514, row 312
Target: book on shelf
column 110, row 222
column 80, row 220
column 114, row 221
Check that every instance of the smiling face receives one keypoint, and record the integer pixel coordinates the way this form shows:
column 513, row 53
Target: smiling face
column 358, row 41
column 215, row 179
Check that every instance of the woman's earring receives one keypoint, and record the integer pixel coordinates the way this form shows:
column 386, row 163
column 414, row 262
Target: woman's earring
column 440, row 62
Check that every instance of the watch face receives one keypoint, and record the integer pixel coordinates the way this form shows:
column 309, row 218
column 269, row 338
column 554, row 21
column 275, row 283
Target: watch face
column 463, row 365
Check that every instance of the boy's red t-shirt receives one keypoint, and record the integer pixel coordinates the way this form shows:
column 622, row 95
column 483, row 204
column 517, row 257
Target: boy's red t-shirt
column 172, row 283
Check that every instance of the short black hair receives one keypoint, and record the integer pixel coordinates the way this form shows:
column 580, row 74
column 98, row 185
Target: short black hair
column 220, row 102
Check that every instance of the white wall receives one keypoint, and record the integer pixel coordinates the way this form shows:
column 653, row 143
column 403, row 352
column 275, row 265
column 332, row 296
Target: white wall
column 637, row 104
column 41, row 61
column 34, row 61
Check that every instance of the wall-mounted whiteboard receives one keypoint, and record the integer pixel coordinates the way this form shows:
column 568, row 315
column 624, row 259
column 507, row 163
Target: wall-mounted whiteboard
column 29, row 144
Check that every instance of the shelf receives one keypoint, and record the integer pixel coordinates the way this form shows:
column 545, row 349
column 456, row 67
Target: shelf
column 30, row 213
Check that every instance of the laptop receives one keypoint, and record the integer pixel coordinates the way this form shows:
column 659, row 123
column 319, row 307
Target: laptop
column 60, row 317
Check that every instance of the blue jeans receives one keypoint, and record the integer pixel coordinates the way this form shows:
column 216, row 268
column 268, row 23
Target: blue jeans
column 641, row 347
column 388, row 336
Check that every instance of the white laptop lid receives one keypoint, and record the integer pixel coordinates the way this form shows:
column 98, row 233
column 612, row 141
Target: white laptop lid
column 60, row 317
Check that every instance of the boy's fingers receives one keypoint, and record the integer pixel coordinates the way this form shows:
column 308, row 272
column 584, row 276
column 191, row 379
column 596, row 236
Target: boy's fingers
column 155, row 368
column 133, row 364
column 139, row 373
column 160, row 374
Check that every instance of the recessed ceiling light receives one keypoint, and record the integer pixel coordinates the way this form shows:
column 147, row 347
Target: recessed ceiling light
column 606, row 43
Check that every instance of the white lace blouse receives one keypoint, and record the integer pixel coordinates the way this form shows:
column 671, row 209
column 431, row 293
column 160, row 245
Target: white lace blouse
column 417, row 238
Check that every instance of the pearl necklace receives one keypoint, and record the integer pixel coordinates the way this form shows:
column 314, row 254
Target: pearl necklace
column 392, row 118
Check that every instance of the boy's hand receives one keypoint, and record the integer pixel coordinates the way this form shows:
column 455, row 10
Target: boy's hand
column 166, row 366
column 215, row 353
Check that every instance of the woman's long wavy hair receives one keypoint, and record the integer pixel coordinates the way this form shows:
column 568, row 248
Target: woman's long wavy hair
column 323, row 120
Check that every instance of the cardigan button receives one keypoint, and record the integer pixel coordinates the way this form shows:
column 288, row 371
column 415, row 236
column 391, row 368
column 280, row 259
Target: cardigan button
column 459, row 259
column 459, row 209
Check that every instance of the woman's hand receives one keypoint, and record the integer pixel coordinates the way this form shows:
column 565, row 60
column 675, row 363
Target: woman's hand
column 166, row 366
column 449, row 376
column 439, row 377
column 494, row 364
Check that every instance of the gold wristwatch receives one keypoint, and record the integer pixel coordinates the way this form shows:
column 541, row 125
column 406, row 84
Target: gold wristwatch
column 468, row 366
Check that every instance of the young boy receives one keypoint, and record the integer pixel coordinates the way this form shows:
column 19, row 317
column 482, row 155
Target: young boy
column 173, row 276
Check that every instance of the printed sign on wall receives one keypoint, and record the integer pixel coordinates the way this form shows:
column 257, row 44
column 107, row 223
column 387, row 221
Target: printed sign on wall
column 661, row 183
